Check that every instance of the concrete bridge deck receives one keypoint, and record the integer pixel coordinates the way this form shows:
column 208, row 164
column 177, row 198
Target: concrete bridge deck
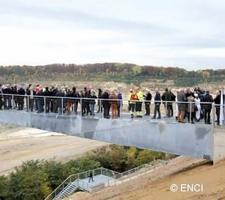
column 165, row 135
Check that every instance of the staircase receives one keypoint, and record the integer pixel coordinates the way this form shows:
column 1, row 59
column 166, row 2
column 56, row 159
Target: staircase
column 68, row 190
column 102, row 178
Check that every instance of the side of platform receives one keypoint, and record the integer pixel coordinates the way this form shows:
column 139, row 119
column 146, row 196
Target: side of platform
column 194, row 140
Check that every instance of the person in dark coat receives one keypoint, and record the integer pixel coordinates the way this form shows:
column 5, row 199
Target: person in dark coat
column 217, row 101
column 157, row 105
column 207, row 106
column 99, row 100
column 90, row 177
column 120, row 102
column 148, row 98
column 105, row 104
column 76, row 96
column 168, row 97
column 21, row 93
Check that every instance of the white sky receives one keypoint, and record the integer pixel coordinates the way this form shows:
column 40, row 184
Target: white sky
column 183, row 33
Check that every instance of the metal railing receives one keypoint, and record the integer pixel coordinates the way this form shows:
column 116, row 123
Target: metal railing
column 114, row 178
column 101, row 107
column 72, row 178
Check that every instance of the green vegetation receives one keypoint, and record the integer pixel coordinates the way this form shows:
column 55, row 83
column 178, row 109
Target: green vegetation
column 34, row 180
column 118, row 72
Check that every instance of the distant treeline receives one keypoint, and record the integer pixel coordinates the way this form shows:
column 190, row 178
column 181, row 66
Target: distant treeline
column 128, row 73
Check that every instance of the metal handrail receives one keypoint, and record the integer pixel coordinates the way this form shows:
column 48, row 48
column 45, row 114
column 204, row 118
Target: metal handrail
column 102, row 99
column 116, row 175
column 70, row 180
column 61, row 107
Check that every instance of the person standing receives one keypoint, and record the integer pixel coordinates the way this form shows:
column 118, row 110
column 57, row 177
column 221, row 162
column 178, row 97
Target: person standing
column 168, row 97
column 207, row 106
column 92, row 103
column 217, row 101
column 190, row 107
column 120, row 102
column 114, row 104
column 157, row 100
column 140, row 96
column 1, row 97
column 30, row 97
column 132, row 102
column 197, row 108
column 91, row 179
column 105, row 104
column 182, row 105
column 148, row 98
column 99, row 100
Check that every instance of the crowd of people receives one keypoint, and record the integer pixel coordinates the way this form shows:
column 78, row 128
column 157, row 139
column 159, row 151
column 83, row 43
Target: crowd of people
column 191, row 105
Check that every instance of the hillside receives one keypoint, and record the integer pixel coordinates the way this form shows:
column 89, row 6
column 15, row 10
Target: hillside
column 117, row 72
column 156, row 185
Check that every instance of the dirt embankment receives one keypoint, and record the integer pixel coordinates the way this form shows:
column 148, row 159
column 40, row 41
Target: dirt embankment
column 21, row 144
column 156, row 185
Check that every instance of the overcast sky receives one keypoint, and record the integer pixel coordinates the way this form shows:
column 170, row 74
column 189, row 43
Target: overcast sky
column 183, row 33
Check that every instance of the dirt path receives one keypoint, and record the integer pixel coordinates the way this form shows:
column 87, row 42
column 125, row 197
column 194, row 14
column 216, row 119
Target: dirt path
column 150, row 187
column 21, row 144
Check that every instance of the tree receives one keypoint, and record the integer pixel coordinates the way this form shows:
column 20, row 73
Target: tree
column 56, row 173
column 29, row 182
column 131, row 157
column 4, row 187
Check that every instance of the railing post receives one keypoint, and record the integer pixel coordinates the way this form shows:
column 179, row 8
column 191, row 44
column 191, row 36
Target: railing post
column 81, row 107
column 62, row 106
column 45, row 104
column 213, row 114
column 190, row 117
column 13, row 102
column 28, row 103
column 166, row 109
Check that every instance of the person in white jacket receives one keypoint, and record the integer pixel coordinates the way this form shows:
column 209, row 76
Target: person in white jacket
column 197, row 107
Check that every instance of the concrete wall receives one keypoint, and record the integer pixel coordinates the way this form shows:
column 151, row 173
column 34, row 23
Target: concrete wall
column 195, row 140
column 219, row 144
